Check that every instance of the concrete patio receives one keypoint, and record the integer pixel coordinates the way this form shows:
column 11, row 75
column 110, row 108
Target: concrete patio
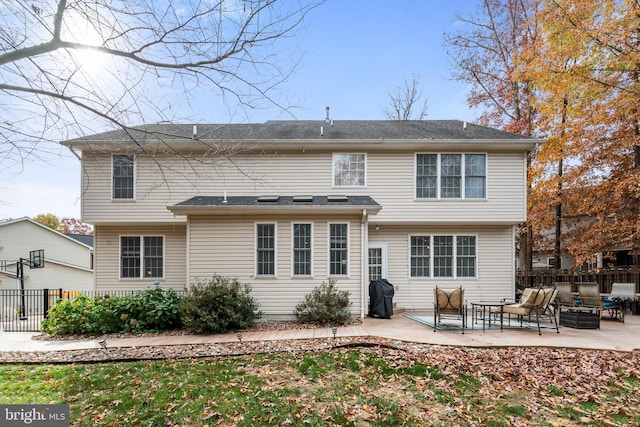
column 612, row 335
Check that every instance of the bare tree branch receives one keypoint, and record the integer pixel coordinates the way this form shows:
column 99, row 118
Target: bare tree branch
column 405, row 102
column 73, row 67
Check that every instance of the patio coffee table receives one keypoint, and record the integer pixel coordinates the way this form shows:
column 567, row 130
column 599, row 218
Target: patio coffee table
column 484, row 307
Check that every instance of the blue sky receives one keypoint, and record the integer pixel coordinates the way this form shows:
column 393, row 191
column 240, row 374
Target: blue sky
column 354, row 53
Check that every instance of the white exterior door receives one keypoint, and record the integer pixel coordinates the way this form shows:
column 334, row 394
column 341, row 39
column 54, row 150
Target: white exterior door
column 377, row 261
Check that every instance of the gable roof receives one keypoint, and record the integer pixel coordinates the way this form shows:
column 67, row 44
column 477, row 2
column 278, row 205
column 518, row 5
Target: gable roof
column 49, row 229
column 318, row 131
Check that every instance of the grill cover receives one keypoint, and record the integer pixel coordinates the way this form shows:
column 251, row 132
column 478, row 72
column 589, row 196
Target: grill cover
column 381, row 298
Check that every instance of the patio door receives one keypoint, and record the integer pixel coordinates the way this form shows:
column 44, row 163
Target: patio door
column 377, row 260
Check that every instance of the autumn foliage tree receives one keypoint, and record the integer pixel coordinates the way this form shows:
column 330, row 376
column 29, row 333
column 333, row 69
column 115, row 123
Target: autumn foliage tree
column 484, row 50
column 567, row 71
column 64, row 225
column 585, row 72
column 75, row 226
column 48, row 219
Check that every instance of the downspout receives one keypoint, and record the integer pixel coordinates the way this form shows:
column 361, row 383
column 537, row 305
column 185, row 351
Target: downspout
column 188, row 248
column 363, row 261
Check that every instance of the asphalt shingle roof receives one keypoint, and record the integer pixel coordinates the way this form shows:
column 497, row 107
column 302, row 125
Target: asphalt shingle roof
column 277, row 200
column 82, row 238
column 315, row 130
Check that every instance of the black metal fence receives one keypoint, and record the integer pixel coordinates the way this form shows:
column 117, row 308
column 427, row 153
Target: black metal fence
column 24, row 310
column 21, row 311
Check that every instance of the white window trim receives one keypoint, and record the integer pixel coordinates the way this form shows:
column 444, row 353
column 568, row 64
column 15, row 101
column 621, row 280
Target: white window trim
column 293, row 249
column 431, row 257
column 439, row 177
column 142, row 276
column 275, row 250
column 333, row 171
column 135, row 175
column 348, row 274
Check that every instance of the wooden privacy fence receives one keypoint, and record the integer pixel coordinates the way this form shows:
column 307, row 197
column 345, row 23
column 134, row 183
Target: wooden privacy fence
column 23, row 310
column 603, row 277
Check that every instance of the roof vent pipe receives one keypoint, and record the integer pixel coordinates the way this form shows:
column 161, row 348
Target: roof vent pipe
column 194, row 135
column 464, row 125
column 321, row 130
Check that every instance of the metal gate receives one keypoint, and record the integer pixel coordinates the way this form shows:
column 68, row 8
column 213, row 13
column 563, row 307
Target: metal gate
column 23, row 310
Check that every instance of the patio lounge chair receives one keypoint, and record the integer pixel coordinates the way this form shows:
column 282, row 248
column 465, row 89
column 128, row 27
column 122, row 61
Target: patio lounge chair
column 621, row 293
column 449, row 302
column 565, row 297
column 534, row 301
column 550, row 306
column 589, row 297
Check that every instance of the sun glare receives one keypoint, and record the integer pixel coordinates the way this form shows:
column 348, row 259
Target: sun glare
column 79, row 30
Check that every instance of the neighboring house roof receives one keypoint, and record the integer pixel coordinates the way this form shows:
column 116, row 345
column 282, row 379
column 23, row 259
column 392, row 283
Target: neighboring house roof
column 223, row 205
column 293, row 130
column 13, row 221
column 86, row 239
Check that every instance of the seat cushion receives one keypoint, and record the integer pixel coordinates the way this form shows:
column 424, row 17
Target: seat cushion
column 529, row 297
column 516, row 309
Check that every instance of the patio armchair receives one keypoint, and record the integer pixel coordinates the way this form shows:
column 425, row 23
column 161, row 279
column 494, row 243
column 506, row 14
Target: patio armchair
column 536, row 301
column 449, row 302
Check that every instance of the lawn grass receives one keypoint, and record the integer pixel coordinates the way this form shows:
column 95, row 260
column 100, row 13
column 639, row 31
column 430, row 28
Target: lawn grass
column 345, row 387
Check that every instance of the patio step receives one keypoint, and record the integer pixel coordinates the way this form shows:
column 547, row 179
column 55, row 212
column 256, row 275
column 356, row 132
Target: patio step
column 397, row 310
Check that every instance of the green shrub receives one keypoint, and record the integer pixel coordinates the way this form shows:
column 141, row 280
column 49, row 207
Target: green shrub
column 151, row 310
column 219, row 305
column 325, row 305
column 78, row 316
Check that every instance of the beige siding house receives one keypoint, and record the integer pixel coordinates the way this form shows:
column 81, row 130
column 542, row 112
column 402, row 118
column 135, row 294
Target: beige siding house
column 287, row 205
column 68, row 262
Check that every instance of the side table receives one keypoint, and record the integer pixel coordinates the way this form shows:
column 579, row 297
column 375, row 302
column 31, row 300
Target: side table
column 485, row 307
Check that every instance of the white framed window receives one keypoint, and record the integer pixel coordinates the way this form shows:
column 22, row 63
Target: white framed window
column 339, row 249
column 123, row 177
column 420, row 257
column 466, row 256
column 265, row 249
column 349, row 169
column 475, row 176
column 302, row 247
column 142, row 257
column 442, row 256
column 450, row 176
